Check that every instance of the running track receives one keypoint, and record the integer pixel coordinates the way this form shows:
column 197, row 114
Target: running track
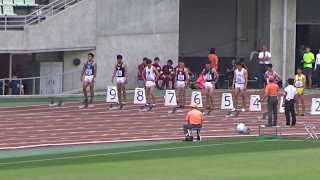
column 42, row 126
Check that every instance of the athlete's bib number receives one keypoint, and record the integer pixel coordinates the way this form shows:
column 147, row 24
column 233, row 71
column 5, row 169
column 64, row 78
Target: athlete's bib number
column 181, row 77
column 208, row 77
column 119, row 73
column 239, row 79
column 298, row 84
column 149, row 78
column 88, row 71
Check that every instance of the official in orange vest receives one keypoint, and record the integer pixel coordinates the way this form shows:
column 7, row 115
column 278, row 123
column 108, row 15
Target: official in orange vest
column 194, row 118
column 271, row 93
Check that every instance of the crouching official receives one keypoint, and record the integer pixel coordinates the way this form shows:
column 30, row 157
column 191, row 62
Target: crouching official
column 194, row 118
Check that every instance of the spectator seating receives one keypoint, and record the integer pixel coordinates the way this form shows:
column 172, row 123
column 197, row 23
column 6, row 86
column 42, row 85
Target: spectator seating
column 30, row 3
column 7, row 6
column 7, row 2
column 8, row 11
column 19, row 3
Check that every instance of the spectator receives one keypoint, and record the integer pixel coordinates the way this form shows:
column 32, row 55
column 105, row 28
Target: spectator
column 198, row 83
column 229, row 74
column 4, row 88
column 317, row 69
column 158, row 67
column 271, row 93
column 213, row 58
column 244, row 64
column 264, row 59
column 194, row 118
column 168, row 72
column 140, row 70
column 232, row 66
column 308, row 59
column 301, row 51
column 16, row 86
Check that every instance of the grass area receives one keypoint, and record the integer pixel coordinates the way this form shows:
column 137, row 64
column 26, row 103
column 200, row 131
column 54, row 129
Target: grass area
column 215, row 159
column 20, row 101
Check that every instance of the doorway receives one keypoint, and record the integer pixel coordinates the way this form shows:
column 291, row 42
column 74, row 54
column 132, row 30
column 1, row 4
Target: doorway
column 307, row 35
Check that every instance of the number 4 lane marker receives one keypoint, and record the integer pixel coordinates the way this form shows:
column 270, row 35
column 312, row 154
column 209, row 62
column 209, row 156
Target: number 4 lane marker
column 255, row 104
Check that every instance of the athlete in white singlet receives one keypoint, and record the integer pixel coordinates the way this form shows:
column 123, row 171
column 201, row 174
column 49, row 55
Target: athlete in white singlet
column 182, row 80
column 150, row 75
column 240, row 81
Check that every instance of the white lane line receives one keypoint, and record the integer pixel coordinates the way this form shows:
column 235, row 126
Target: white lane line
column 144, row 150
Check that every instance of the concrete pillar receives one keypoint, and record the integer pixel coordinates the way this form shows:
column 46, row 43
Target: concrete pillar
column 10, row 65
column 276, row 36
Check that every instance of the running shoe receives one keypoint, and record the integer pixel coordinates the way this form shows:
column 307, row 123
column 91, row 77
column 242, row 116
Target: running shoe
column 243, row 110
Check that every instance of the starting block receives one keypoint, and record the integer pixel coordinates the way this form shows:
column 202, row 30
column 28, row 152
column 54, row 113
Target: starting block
column 112, row 107
column 208, row 112
column 230, row 114
column 54, row 105
column 148, row 109
column 86, row 105
column 311, row 132
column 175, row 110
column 264, row 116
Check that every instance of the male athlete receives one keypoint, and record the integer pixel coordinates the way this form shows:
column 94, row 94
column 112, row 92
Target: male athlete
column 122, row 78
column 168, row 74
column 211, row 77
column 182, row 79
column 89, row 71
column 156, row 64
column 271, row 72
column 150, row 75
column 240, row 82
column 300, row 82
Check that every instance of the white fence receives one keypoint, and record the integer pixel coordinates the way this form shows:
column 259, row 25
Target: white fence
column 54, row 84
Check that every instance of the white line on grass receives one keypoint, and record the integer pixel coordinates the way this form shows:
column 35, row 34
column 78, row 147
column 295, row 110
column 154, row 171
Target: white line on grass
column 144, row 150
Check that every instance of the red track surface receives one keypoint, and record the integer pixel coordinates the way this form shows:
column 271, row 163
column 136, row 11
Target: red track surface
column 40, row 126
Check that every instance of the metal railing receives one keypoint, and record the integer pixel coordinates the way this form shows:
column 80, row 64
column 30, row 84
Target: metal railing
column 53, row 84
column 24, row 21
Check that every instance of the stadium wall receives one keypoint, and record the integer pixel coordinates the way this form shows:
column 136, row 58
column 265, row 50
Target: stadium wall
column 135, row 29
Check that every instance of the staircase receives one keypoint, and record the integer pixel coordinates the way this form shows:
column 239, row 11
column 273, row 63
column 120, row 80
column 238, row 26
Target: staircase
column 39, row 14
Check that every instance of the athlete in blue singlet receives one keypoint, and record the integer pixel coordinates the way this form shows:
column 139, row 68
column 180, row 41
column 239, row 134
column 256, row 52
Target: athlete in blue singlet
column 121, row 72
column 211, row 77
